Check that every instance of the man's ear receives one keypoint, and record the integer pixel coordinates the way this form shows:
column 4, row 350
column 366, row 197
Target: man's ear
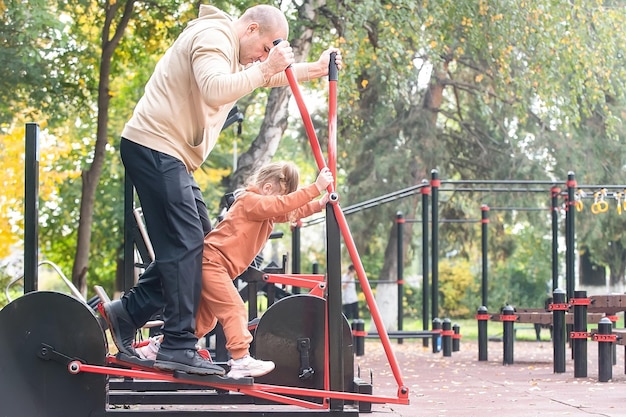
column 253, row 27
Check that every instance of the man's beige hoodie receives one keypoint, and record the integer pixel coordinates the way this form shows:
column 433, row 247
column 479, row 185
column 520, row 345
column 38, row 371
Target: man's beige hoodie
column 193, row 87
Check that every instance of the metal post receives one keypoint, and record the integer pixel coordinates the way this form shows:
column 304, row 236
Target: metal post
column 295, row 252
column 425, row 281
column 456, row 337
column 482, row 316
column 579, row 335
column 570, row 247
column 221, row 353
column 129, row 242
column 358, row 331
column 335, row 320
column 446, row 336
column 555, row 237
column 31, row 208
column 435, row 183
column 436, row 336
column 508, row 318
column 570, row 236
column 558, row 307
column 605, row 350
column 400, row 267
column 614, row 319
column 485, row 250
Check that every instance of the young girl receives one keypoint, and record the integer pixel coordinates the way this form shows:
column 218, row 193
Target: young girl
column 272, row 197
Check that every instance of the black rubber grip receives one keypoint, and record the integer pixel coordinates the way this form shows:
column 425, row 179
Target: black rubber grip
column 332, row 68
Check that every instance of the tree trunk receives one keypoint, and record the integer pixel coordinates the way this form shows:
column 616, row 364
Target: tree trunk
column 265, row 144
column 386, row 294
column 91, row 176
column 387, row 288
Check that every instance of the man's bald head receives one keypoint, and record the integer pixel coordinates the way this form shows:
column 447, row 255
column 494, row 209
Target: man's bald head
column 269, row 18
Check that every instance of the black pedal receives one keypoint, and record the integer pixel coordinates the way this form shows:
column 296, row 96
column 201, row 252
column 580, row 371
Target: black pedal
column 135, row 361
column 217, row 379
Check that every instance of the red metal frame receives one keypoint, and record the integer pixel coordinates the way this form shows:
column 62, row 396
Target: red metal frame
column 308, row 124
column 369, row 297
column 316, row 283
column 265, row 391
column 343, row 224
column 296, row 280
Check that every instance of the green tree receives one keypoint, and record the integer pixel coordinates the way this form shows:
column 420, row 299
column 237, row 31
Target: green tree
column 522, row 279
column 33, row 41
column 513, row 90
column 603, row 163
column 149, row 25
column 495, row 105
column 79, row 108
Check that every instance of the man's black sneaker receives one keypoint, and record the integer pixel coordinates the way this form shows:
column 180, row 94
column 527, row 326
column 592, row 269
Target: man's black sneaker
column 121, row 326
column 185, row 360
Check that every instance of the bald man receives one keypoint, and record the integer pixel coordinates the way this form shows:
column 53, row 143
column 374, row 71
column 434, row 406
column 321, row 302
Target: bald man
column 215, row 61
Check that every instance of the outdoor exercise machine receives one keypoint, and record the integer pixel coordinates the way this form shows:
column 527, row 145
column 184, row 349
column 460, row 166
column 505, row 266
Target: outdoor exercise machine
column 430, row 191
column 573, row 196
column 570, row 311
column 54, row 357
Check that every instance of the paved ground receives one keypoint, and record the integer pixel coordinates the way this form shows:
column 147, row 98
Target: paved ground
column 460, row 385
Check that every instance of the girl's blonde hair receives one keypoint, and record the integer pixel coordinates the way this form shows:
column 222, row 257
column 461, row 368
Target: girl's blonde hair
column 282, row 173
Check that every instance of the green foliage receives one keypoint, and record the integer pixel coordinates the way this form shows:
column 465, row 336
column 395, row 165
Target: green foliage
column 455, row 280
column 412, row 302
column 5, row 278
column 487, row 90
column 33, row 42
column 524, row 277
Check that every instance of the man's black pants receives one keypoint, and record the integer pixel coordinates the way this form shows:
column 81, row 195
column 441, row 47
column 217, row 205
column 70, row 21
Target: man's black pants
column 176, row 220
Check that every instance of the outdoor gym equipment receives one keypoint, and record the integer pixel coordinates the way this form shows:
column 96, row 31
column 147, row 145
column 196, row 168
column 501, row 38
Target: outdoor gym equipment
column 53, row 349
column 575, row 315
column 573, row 196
